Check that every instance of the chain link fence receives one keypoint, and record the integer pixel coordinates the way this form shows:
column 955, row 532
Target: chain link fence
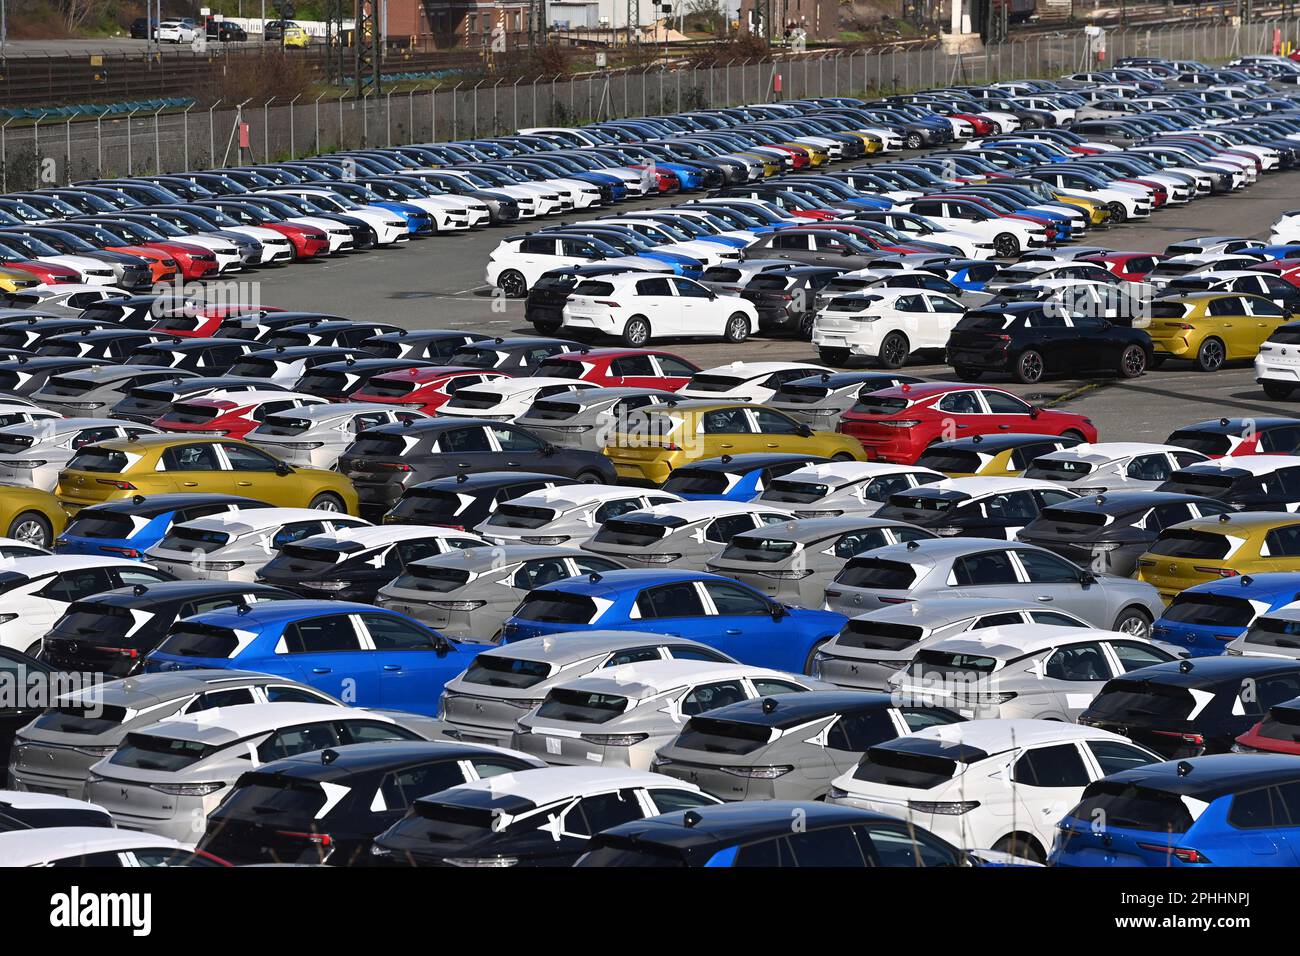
column 58, row 150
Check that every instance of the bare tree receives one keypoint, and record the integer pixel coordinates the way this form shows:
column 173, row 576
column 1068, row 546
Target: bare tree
column 708, row 12
column 76, row 13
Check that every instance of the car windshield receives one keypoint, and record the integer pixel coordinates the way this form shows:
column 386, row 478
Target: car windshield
column 1275, row 632
column 511, row 672
column 581, row 707
column 1189, row 607
column 1130, row 807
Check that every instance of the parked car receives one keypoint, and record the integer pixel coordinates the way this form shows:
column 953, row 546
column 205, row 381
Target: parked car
column 1205, row 549
column 465, row 500
column 999, row 455
column 1210, row 619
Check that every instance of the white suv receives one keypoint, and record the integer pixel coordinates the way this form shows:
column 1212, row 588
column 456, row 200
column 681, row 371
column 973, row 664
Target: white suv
column 639, row 307
column 885, row 324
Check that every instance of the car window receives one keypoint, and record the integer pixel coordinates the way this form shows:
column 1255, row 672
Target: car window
column 603, row 811
column 657, row 286
column 857, row 732
column 708, row 696
column 296, row 531
column 1133, row 655
column 534, row 574
column 1011, row 506
column 74, row 585
column 390, row 633
column 231, row 697
column 670, row 600
column 297, row 740
column 727, row 421
column 1078, row 662
column 990, row 567
column 768, row 853
column 332, row 632
column 1149, row 468
column 770, row 687
column 282, row 694
column 774, row 423
column 829, row 846
column 960, row 403
column 615, row 509
column 632, row 365
column 1058, row 766
column 1055, row 619
column 893, row 845
column 402, row 787
column 516, row 440
column 856, row 542
column 1258, row 809
column 691, row 290
column 734, row 599
column 1043, row 568
column 464, row 440
column 244, row 458
column 191, row 458
column 727, row 527
column 1000, row 403
column 668, row 801
column 1113, row 757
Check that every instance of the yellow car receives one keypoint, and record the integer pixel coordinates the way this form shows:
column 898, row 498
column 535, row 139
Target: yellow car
column 157, row 464
column 667, row 437
column 1210, row 328
column 1000, row 455
column 296, row 36
column 1097, row 211
column 1224, row 546
column 15, row 280
column 30, row 516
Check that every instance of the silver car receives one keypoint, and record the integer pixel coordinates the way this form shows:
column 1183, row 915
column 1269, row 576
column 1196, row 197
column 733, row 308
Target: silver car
column 844, row 487
column 989, row 567
column 1112, row 466
column 683, row 534
column 469, row 595
column 620, row 716
column 166, row 779
column 818, row 400
column 55, row 751
column 794, row 562
column 482, row 704
column 33, row 453
column 586, row 419
column 568, row 514
column 731, row 278
column 1275, row 634
column 314, row 436
column 873, row 646
column 92, row 392
column 1022, row 670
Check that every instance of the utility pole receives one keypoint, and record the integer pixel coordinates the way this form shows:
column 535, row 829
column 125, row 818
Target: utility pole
column 366, row 46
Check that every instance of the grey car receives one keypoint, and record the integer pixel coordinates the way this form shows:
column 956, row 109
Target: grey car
column 794, row 562
column 469, row 595
column 844, row 487
column 92, row 392
column 482, row 704
column 55, row 751
column 33, row 453
column 819, row 400
column 989, row 567
column 789, row 747
column 731, row 278
column 313, row 436
column 872, row 646
column 1093, row 468
column 585, row 419
column 683, row 534
column 1275, row 634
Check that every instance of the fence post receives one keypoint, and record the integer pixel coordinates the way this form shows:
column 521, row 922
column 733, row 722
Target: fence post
column 514, row 91
column 316, row 110
column 728, row 69
column 293, row 140
column 494, row 106
column 476, row 86
column 266, row 130
column 365, row 119
column 4, row 156
column 185, row 126
column 36, row 135
column 129, row 117
column 157, row 144
column 67, row 149
column 388, row 116
column 410, row 116
column 212, row 135
column 454, row 131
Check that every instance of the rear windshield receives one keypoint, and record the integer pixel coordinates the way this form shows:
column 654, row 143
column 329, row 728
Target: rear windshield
column 430, row 505
column 714, row 383
column 1130, row 807
column 192, row 414
column 147, row 752
column 1058, row 469
column 268, row 798
column 873, row 404
column 379, row 446
column 1275, row 632
column 898, row 768
column 944, row 459
column 984, row 322
column 64, row 384
column 90, row 720
column 1286, row 335
column 194, row 539
column 560, row 369
column 628, row 532
column 748, row 548
column 1090, row 519
column 696, row 481
column 420, row 577
column 557, row 607
column 1195, row 483
column 521, row 516
column 1211, row 609
column 593, row 288
column 1207, row 443
column 1282, row 723
column 581, row 707
column 875, row 573
column 879, row 635
column 722, row 736
column 948, row 664
column 506, row 671
column 100, row 524
column 1141, row 702
column 469, row 398
column 1192, row 544
column 102, row 460
column 199, row 640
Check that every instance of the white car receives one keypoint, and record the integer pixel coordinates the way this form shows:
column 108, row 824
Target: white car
column 858, row 488
column 233, row 545
column 23, row 810
column 388, row 226
column 516, row 264
column 912, row 226
column 505, row 399
column 1286, row 228
column 33, row 453
column 755, row 382
column 884, row 324
column 532, row 200
column 95, row 846
column 314, row 436
column 16, row 411
column 66, row 298
column 176, row 31
column 451, row 211
column 987, row 784
column 566, row 515
column 1093, row 468
column 1124, row 200
column 1010, row 237
column 38, row 590
column 639, row 308
column 1277, row 366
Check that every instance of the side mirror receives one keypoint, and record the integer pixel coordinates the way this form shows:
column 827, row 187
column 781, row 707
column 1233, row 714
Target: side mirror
column 548, row 450
column 778, row 612
column 283, row 469
column 1034, row 411
column 805, row 431
column 1086, row 578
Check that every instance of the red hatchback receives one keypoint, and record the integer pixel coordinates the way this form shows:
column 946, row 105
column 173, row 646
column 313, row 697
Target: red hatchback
column 618, row 368
column 425, row 389
column 897, row 424
column 233, row 415
column 1129, row 266
column 205, row 320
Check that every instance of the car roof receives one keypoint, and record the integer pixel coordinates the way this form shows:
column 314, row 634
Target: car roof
column 278, row 612
column 1231, row 426
column 1213, row 776
column 791, row 710
column 648, row 678
column 1274, row 583
column 1243, row 464
column 497, row 556
column 36, row 846
column 547, row 784
column 512, row 386
column 487, row 480
column 38, row 565
column 1108, row 451
column 1240, row 523
column 749, row 370
column 1017, row 640
column 564, row 648
column 750, row 461
column 375, row 536
column 1208, row 671
column 160, row 593
column 154, row 505
column 1124, row 501
column 564, row 497
column 992, row 444
column 692, row 511
column 254, row 519
column 141, row 691
column 711, row 828
column 219, row 726
column 34, row 800
column 848, row 471
column 594, row 396
column 999, row 735
column 350, row 759
column 323, row 411
column 976, row 485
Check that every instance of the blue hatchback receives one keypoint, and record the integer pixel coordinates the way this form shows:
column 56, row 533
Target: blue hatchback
column 709, row 608
column 363, row 655
column 128, row 527
column 1205, row 617
column 1221, row 810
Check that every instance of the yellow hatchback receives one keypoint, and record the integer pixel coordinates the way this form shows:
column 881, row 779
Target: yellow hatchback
column 679, row 433
column 158, row 464
column 1210, row 328
column 31, row 516
column 1206, row 549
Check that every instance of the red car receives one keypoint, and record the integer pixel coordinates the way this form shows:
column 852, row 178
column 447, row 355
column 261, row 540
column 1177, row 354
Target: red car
column 230, row 414
column 897, row 424
column 1288, row 269
column 1276, row 733
column 615, row 368
column 205, row 320
column 425, row 389
column 118, row 235
column 1129, row 266
column 308, row 241
column 47, row 272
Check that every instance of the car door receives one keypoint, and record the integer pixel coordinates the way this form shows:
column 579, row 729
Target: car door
column 519, row 449
column 1268, row 316
column 1053, row 581
column 945, row 313
column 1011, row 414
column 634, row 371
column 677, row 609
column 775, row 430
column 252, row 472
column 729, row 431
column 655, row 299
column 1077, row 672
column 1230, row 320
column 987, row 573
column 413, row 663
column 1047, row 783
column 197, row 466
column 748, row 629
column 468, row 449
column 327, row 652
column 701, row 314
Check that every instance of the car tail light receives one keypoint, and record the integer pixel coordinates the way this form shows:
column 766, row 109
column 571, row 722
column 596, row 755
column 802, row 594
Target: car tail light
column 1196, row 739
column 614, row 740
column 320, row 839
column 1183, row 854
column 951, row 808
column 609, row 302
column 895, row 600
column 457, row 605
column 1218, row 572
column 130, row 652
column 119, row 485
column 124, row 552
column 758, row 773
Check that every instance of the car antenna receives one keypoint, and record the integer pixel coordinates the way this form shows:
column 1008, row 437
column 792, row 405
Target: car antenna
column 1184, row 768
column 769, row 705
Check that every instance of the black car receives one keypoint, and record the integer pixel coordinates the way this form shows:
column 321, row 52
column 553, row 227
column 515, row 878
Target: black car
column 338, row 380
column 112, row 520
column 131, row 312
column 282, row 812
column 145, row 403
column 436, row 345
column 25, row 676
column 1250, row 486
column 1031, row 339
column 747, row 475
column 1271, row 435
column 28, row 374
column 226, row 31
column 260, row 326
column 139, row 29
column 342, row 333
column 33, row 811
column 466, row 500
column 996, row 514
column 108, row 345
column 1108, row 533
column 1192, row 707
column 112, row 632
column 33, row 333
column 519, row 355
column 264, row 363
column 384, row 461
column 544, row 306
column 786, row 299
column 969, row 456
column 203, row 356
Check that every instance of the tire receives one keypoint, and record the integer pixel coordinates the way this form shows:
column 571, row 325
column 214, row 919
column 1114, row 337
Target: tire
column 1021, row 845
column 842, row 456
column 834, row 356
column 968, row 374
column 806, row 327
column 637, row 332
column 590, row 478
column 513, row 284
column 1118, row 214
column 1006, row 246
column 894, row 350
column 328, row 501
column 913, row 141
column 1132, row 362
column 812, row 652
column 1278, row 390
column 1074, row 435
column 1133, row 621
column 1029, row 367
column 1210, row 356
column 32, row 527
column 737, row 329
column 547, row 326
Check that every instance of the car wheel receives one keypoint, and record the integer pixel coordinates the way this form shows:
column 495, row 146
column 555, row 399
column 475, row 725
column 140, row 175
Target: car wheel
column 842, row 456
column 833, row 356
column 894, row 350
column 913, row 141
column 1133, row 621
column 808, row 661
column 737, row 328
column 1132, row 361
column 1074, row 435
column 547, row 326
column 1210, row 356
column 590, row 478
column 1118, row 213
column 1021, row 845
column 327, row 501
column 1006, row 246
column 637, row 332
column 1029, row 367
column 32, row 528
column 806, row 327
column 1278, row 390
column 513, row 284
column 968, row 374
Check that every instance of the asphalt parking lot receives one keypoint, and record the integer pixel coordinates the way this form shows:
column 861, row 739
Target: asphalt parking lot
column 438, row 283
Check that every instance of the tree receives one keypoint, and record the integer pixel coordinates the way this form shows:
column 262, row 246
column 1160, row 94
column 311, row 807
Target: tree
column 709, row 13
column 76, row 13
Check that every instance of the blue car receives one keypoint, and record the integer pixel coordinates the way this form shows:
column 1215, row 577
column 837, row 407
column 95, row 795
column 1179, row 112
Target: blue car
column 361, row 654
column 734, row 477
column 1221, row 810
column 709, row 608
column 1287, row 251
column 1205, row 617
column 128, row 527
